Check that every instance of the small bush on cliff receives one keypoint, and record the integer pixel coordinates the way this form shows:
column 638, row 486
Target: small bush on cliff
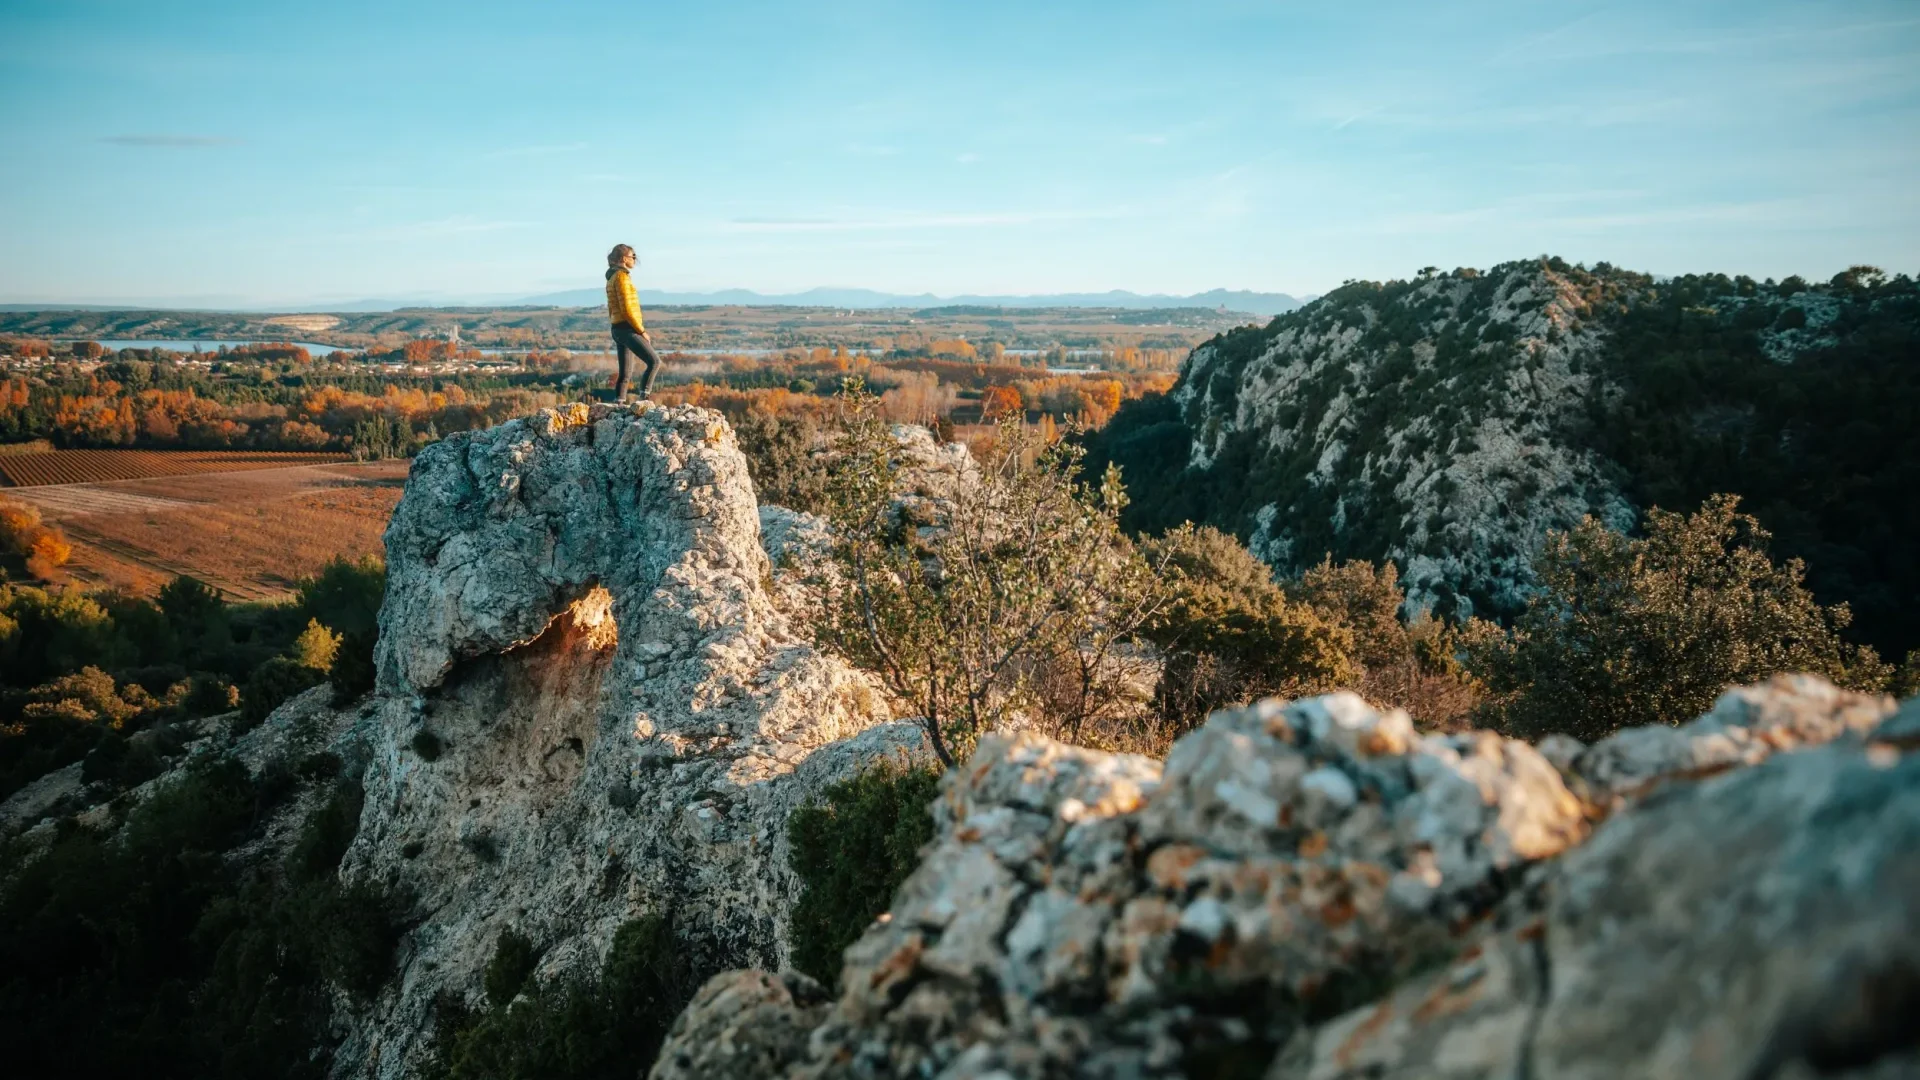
column 1628, row 632
column 604, row 1027
column 852, row 850
column 1015, row 595
column 352, row 673
column 513, row 961
column 269, row 687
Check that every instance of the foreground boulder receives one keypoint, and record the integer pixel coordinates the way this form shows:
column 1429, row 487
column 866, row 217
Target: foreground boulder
column 591, row 707
column 1313, row 890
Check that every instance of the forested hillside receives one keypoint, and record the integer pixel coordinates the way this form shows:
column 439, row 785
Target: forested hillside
column 1448, row 421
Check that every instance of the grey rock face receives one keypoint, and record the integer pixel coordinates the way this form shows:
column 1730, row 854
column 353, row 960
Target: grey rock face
column 1313, row 890
column 1745, row 727
column 1447, row 446
column 591, row 706
column 1761, row 923
column 744, row 1023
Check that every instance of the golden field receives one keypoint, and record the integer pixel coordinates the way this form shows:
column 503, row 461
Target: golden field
column 251, row 533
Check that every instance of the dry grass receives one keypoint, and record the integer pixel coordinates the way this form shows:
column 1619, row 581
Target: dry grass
column 251, row 535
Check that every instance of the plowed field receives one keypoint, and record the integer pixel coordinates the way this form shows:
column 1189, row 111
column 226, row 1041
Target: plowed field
column 95, row 466
column 250, row 534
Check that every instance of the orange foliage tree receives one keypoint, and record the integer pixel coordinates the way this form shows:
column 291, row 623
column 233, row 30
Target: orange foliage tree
column 44, row 547
column 1000, row 401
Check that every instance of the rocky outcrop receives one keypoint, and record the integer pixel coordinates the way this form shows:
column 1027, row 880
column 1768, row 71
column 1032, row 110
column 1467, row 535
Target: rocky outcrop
column 592, row 705
column 1450, row 420
column 1437, row 426
column 1314, row 890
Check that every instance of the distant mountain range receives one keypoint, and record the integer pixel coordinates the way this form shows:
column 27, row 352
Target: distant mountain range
column 1242, row 300
column 1253, row 303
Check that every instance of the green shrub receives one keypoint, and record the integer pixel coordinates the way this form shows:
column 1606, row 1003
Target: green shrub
column 123, row 763
column 513, row 960
column 1629, row 632
column 49, row 634
column 1232, row 635
column 328, row 831
column 1906, row 681
column 353, row 671
column 269, row 687
column 1016, row 599
column 355, row 928
column 608, row 1026
column 151, row 954
column 783, row 459
column 851, row 851
column 345, row 594
column 1410, row 664
column 211, row 694
column 427, row 745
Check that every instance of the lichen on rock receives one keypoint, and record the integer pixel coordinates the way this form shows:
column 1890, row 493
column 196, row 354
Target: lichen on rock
column 1314, row 890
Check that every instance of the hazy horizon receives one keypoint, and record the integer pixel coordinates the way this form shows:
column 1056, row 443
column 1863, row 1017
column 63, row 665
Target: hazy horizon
column 816, row 296
column 235, row 156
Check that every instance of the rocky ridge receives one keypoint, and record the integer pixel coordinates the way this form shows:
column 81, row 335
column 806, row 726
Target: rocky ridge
column 1447, row 422
column 1438, row 419
column 592, row 705
column 1314, row 890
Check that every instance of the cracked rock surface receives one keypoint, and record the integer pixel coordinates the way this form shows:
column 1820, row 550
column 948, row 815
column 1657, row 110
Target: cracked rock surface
column 593, row 704
column 1314, row 890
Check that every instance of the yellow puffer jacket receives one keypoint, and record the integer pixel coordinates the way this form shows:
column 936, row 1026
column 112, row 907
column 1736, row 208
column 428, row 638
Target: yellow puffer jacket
column 623, row 303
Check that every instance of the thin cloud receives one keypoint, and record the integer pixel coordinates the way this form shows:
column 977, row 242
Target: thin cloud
column 448, row 226
column 175, row 141
column 1356, row 117
column 537, row 151
column 778, row 222
column 1533, row 44
column 925, row 221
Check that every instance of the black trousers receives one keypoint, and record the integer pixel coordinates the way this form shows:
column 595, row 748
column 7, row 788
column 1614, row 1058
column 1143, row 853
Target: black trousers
column 627, row 343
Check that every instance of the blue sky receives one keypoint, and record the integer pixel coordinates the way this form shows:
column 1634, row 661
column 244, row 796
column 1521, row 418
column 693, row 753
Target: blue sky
column 263, row 152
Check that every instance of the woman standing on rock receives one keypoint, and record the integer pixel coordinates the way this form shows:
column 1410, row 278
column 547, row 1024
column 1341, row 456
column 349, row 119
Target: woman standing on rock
column 629, row 330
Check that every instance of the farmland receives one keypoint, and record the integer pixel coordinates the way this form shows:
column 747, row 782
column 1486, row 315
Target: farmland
column 692, row 327
column 250, row 532
column 96, row 466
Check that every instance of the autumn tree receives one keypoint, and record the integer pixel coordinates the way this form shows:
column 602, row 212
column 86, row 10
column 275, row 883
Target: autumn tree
column 43, row 547
column 1000, row 401
column 1011, row 596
